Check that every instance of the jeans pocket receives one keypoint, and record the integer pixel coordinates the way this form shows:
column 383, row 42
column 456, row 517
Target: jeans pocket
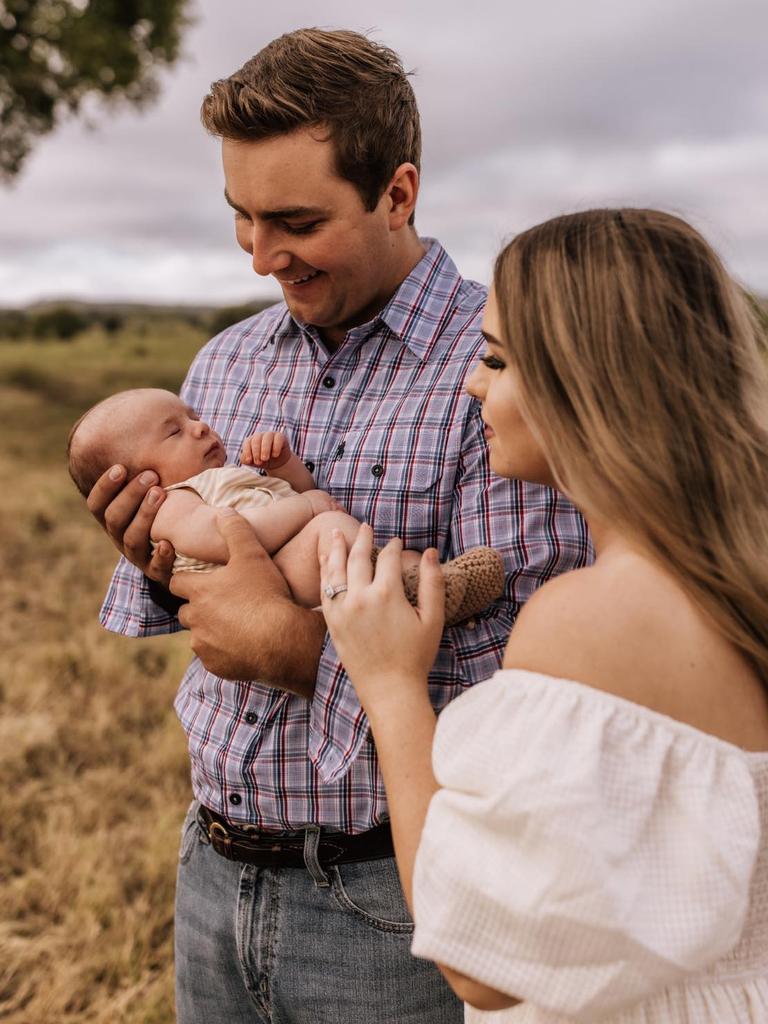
column 190, row 833
column 371, row 891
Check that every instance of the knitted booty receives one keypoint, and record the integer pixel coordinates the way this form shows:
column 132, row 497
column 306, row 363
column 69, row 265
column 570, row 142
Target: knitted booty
column 472, row 581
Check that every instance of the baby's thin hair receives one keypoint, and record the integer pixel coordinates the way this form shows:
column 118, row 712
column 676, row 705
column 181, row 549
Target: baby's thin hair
column 90, row 458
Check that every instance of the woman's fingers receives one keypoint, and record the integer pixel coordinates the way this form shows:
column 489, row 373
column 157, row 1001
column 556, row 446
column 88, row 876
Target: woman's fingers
column 431, row 591
column 359, row 565
column 333, row 566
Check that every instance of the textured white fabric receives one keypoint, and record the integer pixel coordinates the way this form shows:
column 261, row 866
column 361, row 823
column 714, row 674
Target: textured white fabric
column 594, row 858
column 235, row 487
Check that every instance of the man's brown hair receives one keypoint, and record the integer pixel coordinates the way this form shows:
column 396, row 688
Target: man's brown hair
column 340, row 80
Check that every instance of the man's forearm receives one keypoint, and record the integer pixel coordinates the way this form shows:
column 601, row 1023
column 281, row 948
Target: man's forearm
column 289, row 659
column 276, row 643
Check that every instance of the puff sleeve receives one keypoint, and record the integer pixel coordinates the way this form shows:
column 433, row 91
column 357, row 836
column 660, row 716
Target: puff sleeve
column 583, row 852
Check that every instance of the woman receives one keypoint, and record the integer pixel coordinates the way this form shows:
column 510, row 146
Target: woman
column 593, row 843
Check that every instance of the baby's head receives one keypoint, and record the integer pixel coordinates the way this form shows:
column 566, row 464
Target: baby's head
column 142, row 429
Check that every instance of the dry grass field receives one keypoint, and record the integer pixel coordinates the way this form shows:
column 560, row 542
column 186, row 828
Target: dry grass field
column 93, row 768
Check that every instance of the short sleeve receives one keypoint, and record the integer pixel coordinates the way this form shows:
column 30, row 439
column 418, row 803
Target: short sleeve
column 583, row 852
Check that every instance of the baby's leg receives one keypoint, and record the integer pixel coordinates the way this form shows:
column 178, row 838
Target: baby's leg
column 298, row 562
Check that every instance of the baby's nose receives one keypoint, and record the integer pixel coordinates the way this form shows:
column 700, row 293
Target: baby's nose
column 200, row 428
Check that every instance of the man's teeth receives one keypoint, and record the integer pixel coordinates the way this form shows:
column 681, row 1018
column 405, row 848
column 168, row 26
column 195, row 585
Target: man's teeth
column 301, row 280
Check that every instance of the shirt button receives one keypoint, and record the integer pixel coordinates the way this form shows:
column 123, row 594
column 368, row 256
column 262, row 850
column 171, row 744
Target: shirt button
column 235, row 798
column 328, row 382
column 339, row 451
column 310, row 466
column 378, row 469
column 251, row 717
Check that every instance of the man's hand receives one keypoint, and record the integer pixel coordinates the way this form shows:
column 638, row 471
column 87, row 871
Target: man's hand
column 269, row 450
column 126, row 511
column 243, row 622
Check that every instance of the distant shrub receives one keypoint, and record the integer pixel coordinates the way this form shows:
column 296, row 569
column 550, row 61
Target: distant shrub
column 30, row 378
column 61, row 322
column 14, row 324
column 220, row 319
column 112, row 322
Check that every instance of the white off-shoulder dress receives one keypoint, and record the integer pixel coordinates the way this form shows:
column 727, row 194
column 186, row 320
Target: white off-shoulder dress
column 595, row 859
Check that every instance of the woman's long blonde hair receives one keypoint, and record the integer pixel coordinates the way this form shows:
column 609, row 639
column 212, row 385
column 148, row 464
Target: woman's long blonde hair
column 640, row 365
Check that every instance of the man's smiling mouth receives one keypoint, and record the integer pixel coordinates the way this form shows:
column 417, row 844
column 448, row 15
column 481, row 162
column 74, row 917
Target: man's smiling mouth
column 301, row 280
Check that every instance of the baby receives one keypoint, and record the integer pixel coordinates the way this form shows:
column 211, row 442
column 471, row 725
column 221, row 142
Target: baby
column 152, row 429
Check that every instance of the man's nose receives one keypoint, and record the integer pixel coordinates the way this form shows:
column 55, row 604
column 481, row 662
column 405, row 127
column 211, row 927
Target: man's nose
column 267, row 255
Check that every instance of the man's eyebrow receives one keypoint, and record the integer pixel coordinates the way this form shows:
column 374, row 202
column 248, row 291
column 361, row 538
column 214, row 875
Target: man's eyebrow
column 286, row 213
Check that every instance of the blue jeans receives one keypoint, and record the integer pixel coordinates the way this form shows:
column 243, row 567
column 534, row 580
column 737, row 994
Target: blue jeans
column 298, row 946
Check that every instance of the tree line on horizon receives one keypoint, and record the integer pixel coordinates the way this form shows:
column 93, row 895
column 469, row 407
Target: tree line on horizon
column 65, row 322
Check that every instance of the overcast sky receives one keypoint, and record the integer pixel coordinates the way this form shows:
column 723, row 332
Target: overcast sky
column 528, row 110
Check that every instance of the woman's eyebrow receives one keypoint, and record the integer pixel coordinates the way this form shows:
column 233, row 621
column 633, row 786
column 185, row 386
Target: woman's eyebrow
column 490, row 338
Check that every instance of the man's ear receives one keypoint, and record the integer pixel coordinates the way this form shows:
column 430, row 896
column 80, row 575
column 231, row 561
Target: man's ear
column 401, row 195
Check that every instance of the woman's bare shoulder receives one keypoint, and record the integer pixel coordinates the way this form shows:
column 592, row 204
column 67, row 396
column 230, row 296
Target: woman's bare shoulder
column 628, row 628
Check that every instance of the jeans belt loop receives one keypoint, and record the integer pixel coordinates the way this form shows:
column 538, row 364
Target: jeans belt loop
column 311, row 860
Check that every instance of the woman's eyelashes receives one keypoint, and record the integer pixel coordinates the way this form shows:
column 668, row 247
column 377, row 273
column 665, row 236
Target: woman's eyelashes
column 492, row 362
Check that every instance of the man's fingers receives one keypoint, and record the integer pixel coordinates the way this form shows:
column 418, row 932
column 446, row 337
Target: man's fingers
column 184, row 585
column 161, row 563
column 431, row 590
column 135, row 538
column 238, row 535
column 184, row 613
column 104, row 490
column 115, row 506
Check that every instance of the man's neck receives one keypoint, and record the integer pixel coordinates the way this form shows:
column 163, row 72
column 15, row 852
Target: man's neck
column 411, row 254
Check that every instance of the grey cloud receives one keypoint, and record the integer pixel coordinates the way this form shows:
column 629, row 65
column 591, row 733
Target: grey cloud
column 527, row 111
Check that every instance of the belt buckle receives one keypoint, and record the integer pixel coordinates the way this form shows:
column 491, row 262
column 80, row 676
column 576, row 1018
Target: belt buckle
column 219, row 837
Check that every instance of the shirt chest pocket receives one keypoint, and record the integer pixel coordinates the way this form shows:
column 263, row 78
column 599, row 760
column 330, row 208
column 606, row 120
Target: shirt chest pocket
column 399, row 481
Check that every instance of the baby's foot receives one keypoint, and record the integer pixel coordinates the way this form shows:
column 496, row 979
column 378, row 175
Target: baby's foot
column 472, row 581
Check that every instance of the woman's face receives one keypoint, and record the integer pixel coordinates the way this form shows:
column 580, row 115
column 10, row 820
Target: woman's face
column 514, row 451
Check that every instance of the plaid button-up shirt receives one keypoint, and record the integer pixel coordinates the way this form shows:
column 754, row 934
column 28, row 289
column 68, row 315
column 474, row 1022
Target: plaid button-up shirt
column 386, row 427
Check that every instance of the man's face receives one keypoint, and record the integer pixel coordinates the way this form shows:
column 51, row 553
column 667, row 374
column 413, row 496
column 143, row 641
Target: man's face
column 308, row 228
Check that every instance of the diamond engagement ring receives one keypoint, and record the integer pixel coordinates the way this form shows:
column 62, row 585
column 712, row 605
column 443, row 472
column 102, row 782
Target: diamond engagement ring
column 331, row 592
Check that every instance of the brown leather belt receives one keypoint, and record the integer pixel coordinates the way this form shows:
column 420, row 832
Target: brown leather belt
column 286, row 849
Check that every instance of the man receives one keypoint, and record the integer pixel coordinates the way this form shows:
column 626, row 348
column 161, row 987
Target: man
column 288, row 902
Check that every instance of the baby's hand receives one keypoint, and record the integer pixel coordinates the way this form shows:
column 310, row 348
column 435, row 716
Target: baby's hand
column 269, row 450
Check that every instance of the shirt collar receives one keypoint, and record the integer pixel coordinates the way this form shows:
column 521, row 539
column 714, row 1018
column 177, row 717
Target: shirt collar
column 420, row 306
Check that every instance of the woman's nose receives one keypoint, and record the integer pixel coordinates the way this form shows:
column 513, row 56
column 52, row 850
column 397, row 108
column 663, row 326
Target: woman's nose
column 475, row 383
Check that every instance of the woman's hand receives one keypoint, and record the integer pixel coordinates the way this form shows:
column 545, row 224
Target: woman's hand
column 386, row 646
